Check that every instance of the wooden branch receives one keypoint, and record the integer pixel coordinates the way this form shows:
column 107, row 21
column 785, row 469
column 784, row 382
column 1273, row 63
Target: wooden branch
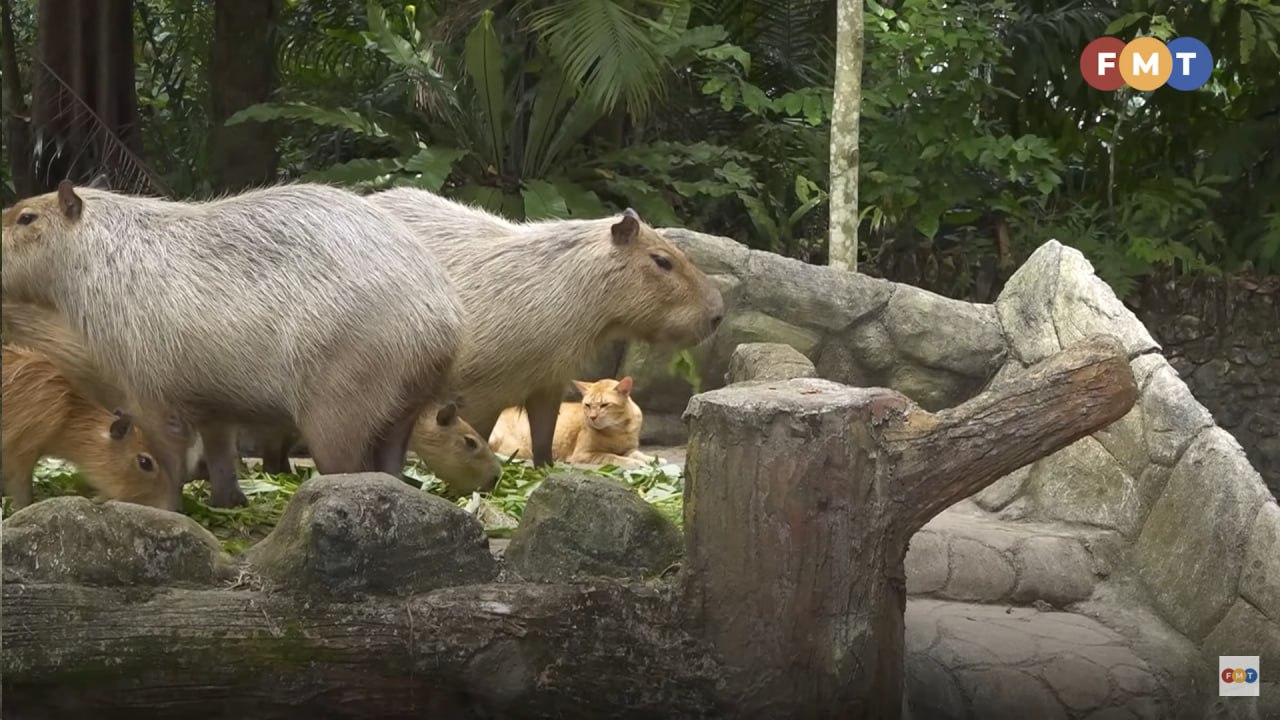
column 548, row 651
column 945, row 457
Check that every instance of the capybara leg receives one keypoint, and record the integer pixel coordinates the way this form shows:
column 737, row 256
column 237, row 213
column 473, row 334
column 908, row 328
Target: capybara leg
column 16, row 473
column 392, row 447
column 201, row 469
column 275, row 451
column 336, row 442
column 543, row 407
column 223, row 460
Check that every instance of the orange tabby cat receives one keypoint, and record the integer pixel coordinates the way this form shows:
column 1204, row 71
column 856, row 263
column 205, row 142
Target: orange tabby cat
column 603, row 429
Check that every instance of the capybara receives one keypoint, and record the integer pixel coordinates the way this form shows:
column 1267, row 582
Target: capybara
column 45, row 415
column 454, row 452
column 445, row 443
column 298, row 305
column 544, row 297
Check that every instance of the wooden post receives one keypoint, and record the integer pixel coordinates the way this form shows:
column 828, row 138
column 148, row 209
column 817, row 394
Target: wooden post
column 801, row 496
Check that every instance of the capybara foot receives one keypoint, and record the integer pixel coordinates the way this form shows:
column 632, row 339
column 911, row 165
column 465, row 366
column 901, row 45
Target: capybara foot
column 228, row 498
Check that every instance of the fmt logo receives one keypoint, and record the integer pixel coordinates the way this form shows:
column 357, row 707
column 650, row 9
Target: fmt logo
column 1238, row 675
column 1146, row 63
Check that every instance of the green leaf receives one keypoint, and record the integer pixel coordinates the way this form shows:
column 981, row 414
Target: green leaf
column 552, row 95
column 542, row 201
column 484, row 65
column 580, row 202
column 393, row 46
column 433, row 165
column 340, row 117
column 928, row 225
column 358, row 172
column 1248, row 35
column 753, row 98
column 1123, row 22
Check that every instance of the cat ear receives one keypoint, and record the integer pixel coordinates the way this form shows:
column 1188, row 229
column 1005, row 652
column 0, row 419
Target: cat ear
column 624, row 385
column 582, row 386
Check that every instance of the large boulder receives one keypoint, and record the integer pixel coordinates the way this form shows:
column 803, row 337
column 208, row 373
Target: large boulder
column 767, row 361
column 371, row 533
column 78, row 540
column 577, row 526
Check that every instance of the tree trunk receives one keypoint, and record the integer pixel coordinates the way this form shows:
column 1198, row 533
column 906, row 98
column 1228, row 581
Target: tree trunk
column 242, row 72
column 84, row 103
column 846, row 112
column 800, row 498
column 17, row 127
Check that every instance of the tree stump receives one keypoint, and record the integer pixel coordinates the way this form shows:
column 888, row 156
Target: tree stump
column 801, row 497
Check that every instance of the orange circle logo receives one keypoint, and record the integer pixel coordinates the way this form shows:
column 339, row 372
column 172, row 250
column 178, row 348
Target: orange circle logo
column 1145, row 63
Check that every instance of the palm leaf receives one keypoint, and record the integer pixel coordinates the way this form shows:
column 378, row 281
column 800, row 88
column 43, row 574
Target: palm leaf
column 608, row 51
column 484, row 65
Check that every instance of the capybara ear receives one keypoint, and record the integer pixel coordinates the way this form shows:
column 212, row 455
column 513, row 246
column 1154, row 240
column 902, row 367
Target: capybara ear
column 120, row 426
column 69, row 201
column 100, row 182
column 447, row 414
column 626, row 229
column 582, row 385
column 624, row 385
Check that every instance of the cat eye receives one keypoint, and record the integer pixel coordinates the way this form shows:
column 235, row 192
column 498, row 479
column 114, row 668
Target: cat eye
column 26, row 218
column 145, row 463
column 662, row 262
column 472, row 444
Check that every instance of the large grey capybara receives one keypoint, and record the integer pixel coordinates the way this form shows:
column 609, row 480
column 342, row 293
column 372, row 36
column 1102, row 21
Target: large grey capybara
column 298, row 305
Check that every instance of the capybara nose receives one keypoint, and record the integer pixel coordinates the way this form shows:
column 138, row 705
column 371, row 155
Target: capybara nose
column 715, row 321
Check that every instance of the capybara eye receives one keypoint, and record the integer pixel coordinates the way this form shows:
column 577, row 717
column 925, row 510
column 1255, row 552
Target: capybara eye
column 146, row 463
column 26, row 218
column 663, row 262
column 472, row 443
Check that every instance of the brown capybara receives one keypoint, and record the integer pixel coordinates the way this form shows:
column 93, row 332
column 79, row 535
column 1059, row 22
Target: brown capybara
column 45, row 415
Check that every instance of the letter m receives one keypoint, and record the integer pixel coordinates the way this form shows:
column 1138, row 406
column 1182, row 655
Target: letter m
column 1151, row 65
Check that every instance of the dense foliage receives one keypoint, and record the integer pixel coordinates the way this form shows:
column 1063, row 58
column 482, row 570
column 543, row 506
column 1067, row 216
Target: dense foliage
column 979, row 138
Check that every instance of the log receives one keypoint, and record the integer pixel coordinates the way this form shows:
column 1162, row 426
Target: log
column 801, row 496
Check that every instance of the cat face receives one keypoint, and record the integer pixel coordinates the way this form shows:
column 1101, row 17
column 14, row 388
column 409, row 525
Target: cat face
column 605, row 403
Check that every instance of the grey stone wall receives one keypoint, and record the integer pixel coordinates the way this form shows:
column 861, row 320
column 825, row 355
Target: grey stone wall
column 1223, row 338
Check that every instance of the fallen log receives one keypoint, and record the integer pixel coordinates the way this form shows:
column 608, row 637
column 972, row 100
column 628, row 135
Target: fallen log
column 801, row 496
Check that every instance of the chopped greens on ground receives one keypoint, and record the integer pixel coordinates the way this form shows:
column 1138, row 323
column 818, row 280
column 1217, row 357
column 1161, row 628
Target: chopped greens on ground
column 499, row 511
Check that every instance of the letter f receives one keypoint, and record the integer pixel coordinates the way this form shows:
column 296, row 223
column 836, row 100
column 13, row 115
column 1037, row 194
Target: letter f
column 1106, row 61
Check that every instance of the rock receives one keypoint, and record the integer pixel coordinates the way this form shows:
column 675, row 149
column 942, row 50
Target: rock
column 1055, row 299
column 1002, row 492
column 664, row 429
column 77, row 540
column 1084, row 483
column 714, row 255
column 1171, row 416
column 817, row 296
column 1010, row 694
column 767, row 361
column 371, row 533
column 933, row 389
column 863, row 356
column 1126, row 440
column 578, row 526
column 1085, row 305
column 1246, row 631
column 1057, row 570
column 928, row 564
column 1260, row 584
column 968, row 342
column 1189, row 552
column 654, row 387
column 757, row 327
column 1025, row 305
column 979, row 572
column 1080, row 685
